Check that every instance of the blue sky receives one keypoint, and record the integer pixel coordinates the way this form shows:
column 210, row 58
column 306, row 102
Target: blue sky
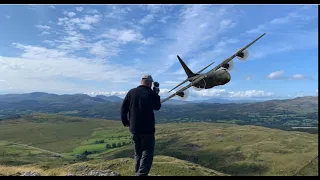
column 104, row 49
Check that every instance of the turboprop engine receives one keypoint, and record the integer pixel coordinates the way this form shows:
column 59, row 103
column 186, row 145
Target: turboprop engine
column 243, row 55
column 183, row 95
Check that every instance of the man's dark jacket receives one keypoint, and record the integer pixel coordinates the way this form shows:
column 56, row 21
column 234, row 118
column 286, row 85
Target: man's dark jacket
column 140, row 103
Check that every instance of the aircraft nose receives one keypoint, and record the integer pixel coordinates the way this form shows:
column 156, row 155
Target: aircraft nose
column 228, row 77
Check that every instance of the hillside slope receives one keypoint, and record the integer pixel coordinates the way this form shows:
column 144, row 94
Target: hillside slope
column 230, row 149
column 18, row 159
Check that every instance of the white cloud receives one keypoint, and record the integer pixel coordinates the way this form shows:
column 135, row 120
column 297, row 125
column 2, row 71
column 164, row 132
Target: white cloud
column 187, row 39
column 280, row 39
column 226, row 41
column 163, row 92
column 275, row 75
column 208, row 93
column 117, row 13
column 126, row 35
column 298, row 76
column 171, row 82
column 84, row 23
column 93, row 11
column 42, row 69
column 223, row 93
column 8, row 17
column 300, row 94
column 43, row 27
column 45, row 33
column 147, row 19
column 226, row 23
column 102, row 49
column 248, row 78
column 164, row 19
column 250, row 94
column 279, row 75
column 4, row 85
column 316, row 90
column 299, row 16
column 52, row 7
column 85, row 26
column 70, row 14
column 112, row 93
column 79, row 9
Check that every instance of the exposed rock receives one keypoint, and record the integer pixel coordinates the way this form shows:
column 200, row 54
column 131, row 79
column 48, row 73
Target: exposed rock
column 103, row 173
column 30, row 173
column 124, row 160
column 86, row 171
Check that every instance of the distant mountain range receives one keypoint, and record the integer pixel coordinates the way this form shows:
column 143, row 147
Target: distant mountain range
column 297, row 112
column 86, row 99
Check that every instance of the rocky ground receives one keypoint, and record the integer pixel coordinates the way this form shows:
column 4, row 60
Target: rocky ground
column 81, row 171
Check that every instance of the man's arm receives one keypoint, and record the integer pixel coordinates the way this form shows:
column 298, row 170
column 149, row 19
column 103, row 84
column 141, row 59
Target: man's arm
column 125, row 110
column 157, row 102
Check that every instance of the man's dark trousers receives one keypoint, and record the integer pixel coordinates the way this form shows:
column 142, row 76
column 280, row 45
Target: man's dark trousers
column 143, row 145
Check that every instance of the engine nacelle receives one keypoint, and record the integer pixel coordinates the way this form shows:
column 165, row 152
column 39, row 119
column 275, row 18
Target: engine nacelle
column 229, row 66
column 243, row 55
column 183, row 95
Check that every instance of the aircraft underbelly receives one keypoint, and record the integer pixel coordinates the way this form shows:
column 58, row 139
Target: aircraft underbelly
column 218, row 78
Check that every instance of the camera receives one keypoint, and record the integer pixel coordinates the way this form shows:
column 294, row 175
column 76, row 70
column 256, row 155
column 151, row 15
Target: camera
column 156, row 87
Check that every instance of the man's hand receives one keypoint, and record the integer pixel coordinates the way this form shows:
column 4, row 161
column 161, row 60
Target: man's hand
column 156, row 88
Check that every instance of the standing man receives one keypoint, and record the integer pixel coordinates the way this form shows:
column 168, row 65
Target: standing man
column 140, row 102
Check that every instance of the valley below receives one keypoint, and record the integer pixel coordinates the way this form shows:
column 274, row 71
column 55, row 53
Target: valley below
column 60, row 145
column 83, row 135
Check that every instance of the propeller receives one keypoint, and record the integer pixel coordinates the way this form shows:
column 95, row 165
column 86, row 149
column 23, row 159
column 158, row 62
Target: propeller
column 183, row 95
column 243, row 55
column 229, row 66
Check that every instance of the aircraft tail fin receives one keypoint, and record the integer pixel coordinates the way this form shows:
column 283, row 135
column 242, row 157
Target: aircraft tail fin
column 186, row 68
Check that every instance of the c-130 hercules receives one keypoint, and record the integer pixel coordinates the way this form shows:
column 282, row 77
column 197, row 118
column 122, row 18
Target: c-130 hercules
column 217, row 76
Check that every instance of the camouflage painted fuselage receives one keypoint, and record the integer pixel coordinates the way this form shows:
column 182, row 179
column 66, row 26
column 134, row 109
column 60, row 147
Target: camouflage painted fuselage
column 216, row 78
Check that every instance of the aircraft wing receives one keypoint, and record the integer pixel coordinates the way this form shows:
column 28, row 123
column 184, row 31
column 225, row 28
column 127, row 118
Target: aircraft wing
column 234, row 55
column 172, row 95
column 200, row 77
column 204, row 68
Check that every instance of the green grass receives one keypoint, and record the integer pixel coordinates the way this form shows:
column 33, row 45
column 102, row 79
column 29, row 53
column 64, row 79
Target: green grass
column 230, row 149
column 233, row 149
column 56, row 133
column 15, row 154
column 162, row 166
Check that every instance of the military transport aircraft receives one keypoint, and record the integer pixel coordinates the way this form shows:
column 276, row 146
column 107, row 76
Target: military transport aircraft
column 217, row 76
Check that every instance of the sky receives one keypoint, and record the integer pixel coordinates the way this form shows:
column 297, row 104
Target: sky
column 105, row 49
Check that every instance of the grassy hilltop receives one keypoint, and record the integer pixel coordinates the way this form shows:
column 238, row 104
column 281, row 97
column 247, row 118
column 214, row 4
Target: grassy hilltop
column 49, row 142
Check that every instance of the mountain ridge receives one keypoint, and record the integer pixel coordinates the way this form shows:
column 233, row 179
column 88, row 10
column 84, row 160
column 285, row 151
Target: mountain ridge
column 287, row 113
